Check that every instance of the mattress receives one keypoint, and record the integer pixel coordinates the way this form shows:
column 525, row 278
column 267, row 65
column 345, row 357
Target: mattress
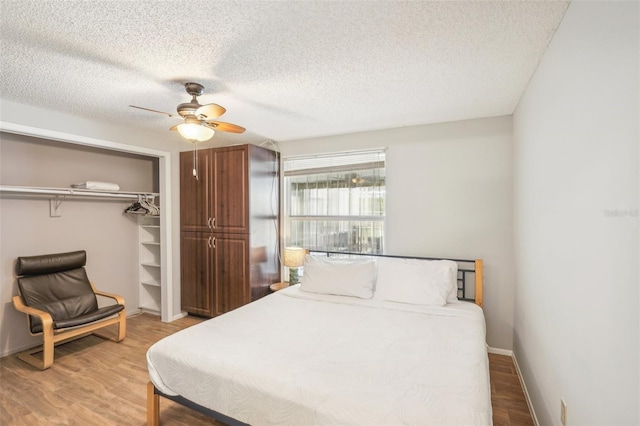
column 299, row 358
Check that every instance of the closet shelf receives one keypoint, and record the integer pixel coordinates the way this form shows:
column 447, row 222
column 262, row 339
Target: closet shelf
column 32, row 190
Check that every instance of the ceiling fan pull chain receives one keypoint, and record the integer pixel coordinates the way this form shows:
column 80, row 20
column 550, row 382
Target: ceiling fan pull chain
column 195, row 160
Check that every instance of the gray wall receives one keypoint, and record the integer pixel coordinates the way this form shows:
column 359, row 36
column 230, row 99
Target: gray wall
column 449, row 194
column 576, row 220
column 95, row 225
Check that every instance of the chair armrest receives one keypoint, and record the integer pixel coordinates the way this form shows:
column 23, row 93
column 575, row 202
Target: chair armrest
column 45, row 317
column 119, row 299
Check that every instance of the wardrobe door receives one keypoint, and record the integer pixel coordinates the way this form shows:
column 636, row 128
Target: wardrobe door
column 197, row 280
column 196, row 192
column 230, row 203
column 231, row 270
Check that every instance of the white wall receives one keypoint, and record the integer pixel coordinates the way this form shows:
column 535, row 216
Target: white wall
column 576, row 186
column 449, row 194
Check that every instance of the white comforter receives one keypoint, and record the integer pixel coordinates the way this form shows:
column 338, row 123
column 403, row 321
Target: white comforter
column 296, row 358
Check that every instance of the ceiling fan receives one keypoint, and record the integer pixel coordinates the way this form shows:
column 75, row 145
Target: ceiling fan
column 199, row 120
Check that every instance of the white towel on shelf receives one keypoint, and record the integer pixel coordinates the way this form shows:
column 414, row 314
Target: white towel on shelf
column 92, row 184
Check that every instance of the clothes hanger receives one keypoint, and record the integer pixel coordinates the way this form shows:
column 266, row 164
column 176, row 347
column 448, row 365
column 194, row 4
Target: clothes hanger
column 137, row 207
column 147, row 202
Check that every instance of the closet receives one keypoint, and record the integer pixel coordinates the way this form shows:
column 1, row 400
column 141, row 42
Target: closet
column 228, row 223
column 41, row 213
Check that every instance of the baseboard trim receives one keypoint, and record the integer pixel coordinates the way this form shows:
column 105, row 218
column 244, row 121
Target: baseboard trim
column 498, row 351
column 13, row 351
column 178, row 316
column 524, row 389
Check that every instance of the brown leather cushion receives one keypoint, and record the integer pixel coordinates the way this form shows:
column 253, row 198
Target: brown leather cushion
column 83, row 319
column 50, row 263
column 58, row 284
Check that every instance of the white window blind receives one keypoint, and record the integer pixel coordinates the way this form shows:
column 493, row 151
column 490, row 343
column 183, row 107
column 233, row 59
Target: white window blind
column 336, row 202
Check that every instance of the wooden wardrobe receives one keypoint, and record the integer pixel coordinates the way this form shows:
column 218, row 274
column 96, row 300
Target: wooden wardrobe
column 228, row 227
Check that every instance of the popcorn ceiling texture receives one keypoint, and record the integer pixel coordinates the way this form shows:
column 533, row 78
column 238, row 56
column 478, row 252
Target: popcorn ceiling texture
column 284, row 70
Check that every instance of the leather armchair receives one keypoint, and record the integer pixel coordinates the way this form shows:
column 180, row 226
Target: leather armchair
column 61, row 303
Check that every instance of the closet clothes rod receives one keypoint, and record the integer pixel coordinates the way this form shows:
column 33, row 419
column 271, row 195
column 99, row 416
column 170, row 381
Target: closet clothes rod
column 74, row 192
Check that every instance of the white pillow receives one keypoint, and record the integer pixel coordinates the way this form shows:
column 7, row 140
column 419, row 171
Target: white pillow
column 453, row 278
column 416, row 281
column 343, row 277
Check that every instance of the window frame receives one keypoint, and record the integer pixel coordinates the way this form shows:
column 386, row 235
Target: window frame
column 352, row 165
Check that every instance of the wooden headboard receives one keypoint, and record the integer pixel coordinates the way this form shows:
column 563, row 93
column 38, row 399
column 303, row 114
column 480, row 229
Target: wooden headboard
column 469, row 272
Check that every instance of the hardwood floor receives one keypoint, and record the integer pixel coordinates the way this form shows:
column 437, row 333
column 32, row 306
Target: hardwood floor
column 507, row 398
column 97, row 382
column 92, row 382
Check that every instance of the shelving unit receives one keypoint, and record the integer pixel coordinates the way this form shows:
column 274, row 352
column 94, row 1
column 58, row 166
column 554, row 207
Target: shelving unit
column 150, row 275
column 57, row 195
column 77, row 192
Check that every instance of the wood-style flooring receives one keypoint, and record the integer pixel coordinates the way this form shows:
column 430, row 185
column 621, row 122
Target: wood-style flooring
column 98, row 382
column 507, row 398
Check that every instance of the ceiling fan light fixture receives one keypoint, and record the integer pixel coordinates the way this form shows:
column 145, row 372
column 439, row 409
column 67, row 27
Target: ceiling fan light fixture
column 198, row 123
column 194, row 131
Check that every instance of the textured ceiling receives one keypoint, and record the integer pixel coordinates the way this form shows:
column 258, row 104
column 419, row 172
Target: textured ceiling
column 283, row 69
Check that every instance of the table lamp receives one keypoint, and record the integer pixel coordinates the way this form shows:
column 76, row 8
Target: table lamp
column 293, row 259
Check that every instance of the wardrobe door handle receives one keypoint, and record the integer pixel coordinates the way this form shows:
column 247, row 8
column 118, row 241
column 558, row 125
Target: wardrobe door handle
column 214, row 242
column 213, row 223
column 209, row 242
column 209, row 223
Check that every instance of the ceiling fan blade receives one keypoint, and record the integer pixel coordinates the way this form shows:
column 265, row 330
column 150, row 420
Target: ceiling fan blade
column 224, row 127
column 155, row 110
column 174, row 127
column 209, row 111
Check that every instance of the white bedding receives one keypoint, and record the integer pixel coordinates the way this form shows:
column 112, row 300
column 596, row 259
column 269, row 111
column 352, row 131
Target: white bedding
column 297, row 358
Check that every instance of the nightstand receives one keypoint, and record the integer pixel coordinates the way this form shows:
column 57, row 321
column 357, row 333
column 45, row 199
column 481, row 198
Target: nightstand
column 278, row 286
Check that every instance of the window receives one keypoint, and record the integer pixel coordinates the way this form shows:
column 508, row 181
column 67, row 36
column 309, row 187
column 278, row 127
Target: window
column 336, row 202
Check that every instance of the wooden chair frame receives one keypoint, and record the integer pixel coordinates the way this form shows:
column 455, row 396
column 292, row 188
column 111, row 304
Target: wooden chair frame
column 52, row 337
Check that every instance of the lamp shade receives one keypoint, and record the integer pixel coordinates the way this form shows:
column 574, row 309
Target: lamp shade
column 294, row 257
column 193, row 130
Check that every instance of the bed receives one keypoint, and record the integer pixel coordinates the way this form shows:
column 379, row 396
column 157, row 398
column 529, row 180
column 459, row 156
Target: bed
column 353, row 344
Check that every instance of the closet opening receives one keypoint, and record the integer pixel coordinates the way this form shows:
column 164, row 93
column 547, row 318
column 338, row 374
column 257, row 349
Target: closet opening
column 124, row 244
